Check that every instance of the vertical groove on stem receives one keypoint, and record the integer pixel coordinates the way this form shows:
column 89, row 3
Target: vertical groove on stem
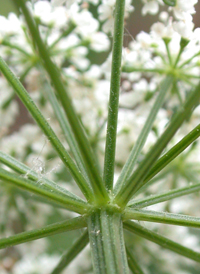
column 107, row 243
column 114, row 94
column 96, row 243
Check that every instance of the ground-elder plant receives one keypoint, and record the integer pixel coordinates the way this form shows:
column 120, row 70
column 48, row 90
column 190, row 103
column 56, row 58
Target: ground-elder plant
column 112, row 152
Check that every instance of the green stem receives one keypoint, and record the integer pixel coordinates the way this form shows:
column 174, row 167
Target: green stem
column 172, row 194
column 29, row 173
column 14, row 46
column 54, row 74
column 133, row 156
column 22, row 77
column 133, row 263
column 158, row 178
column 109, row 162
column 44, row 191
column 41, row 121
column 107, row 243
column 168, row 51
column 161, row 217
column 186, row 75
column 178, row 57
column 189, row 60
column 170, row 155
column 162, row 241
column 144, row 70
column 73, row 251
column 135, row 182
column 65, row 33
column 49, row 230
column 65, row 126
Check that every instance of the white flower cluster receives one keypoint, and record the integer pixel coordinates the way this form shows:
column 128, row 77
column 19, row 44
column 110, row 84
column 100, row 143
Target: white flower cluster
column 105, row 10
column 182, row 9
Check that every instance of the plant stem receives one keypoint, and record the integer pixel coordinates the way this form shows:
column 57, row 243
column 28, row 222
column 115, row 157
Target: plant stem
column 109, row 161
column 143, row 70
column 136, row 180
column 133, row 156
column 170, row 155
column 168, row 51
column 14, row 46
column 189, row 60
column 73, row 251
column 41, row 121
column 49, row 230
column 65, row 33
column 65, row 126
column 162, row 241
column 44, row 191
column 31, row 174
column 172, row 194
column 54, row 74
column 161, row 217
column 107, row 243
column 132, row 262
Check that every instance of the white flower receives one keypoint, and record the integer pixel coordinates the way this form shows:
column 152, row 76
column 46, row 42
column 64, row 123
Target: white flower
column 184, row 8
column 56, row 3
column 185, row 29
column 99, row 42
column 10, row 26
column 78, row 57
column 151, row 7
column 106, row 12
column 144, row 40
column 161, row 30
column 85, row 23
column 48, row 15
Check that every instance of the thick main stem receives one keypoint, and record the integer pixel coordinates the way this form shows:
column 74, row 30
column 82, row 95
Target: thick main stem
column 107, row 243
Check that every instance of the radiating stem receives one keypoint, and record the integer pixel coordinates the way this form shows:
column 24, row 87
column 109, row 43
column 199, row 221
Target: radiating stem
column 44, row 125
column 18, row 48
column 109, row 161
column 189, row 60
column 159, row 198
column 162, row 241
column 49, row 230
column 107, row 243
column 45, row 191
column 170, row 155
column 162, row 217
column 133, row 263
column 133, row 156
column 31, row 174
column 64, row 124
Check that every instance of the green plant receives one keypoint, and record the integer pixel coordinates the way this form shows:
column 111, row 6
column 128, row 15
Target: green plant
column 107, row 208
